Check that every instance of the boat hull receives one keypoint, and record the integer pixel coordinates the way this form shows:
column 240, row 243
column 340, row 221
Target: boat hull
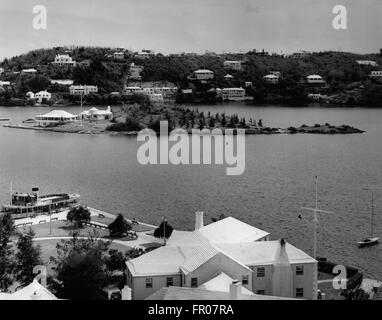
column 370, row 242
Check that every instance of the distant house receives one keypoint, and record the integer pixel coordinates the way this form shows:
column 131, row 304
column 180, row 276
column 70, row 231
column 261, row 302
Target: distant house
column 82, row 89
column 30, row 70
column 132, row 90
column 275, row 73
column 232, row 64
column 300, row 54
column 315, row 79
column 367, row 63
column 271, row 79
column 233, row 94
column 5, row 83
column 201, row 74
column 156, row 97
column 55, row 117
column 118, row 55
column 63, row 60
column 40, row 96
column 94, row 114
column 376, row 75
column 30, row 95
column 135, row 72
column 229, row 77
column 144, row 54
column 84, row 63
column 63, row 82
column 248, row 83
column 1, row 70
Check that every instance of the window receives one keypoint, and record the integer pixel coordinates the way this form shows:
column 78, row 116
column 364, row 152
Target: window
column 149, row 282
column 299, row 270
column 260, row 292
column 299, row 292
column 260, row 272
column 169, row 281
column 194, row 282
column 244, row 279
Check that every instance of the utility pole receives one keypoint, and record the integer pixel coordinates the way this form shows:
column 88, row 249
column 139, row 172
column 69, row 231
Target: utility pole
column 164, row 230
column 81, row 115
column 315, row 211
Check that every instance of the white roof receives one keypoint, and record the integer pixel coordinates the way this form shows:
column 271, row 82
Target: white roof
column 169, row 260
column 314, row 76
column 33, row 291
column 57, row 114
column 231, row 230
column 229, row 76
column 270, row 76
column 263, row 252
column 203, row 71
column 222, row 283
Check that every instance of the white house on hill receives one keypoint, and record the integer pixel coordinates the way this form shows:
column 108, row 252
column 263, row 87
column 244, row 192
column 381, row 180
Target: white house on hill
column 40, row 96
column 63, row 60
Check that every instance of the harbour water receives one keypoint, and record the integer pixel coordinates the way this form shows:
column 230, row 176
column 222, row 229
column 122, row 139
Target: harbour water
column 278, row 179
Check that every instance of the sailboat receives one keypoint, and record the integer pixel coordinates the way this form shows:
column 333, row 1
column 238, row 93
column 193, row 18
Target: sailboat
column 371, row 240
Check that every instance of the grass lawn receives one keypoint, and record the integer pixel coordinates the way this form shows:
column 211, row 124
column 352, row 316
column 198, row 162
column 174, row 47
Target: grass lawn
column 60, row 228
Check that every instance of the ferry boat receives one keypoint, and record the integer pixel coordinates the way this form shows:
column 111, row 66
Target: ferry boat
column 23, row 205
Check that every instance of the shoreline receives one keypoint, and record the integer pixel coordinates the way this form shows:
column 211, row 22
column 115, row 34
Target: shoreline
column 321, row 129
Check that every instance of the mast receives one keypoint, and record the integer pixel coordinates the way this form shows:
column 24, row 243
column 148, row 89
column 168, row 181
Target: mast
column 11, row 193
column 372, row 212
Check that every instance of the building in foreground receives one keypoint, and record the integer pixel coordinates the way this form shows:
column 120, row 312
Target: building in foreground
column 33, row 291
column 197, row 259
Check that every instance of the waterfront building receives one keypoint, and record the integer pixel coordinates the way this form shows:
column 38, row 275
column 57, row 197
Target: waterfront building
column 315, row 79
column 194, row 258
column 95, row 114
column 63, row 60
column 82, row 89
column 55, row 117
column 232, row 64
column 233, row 94
column 271, row 79
column 40, row 96
column 201, row 74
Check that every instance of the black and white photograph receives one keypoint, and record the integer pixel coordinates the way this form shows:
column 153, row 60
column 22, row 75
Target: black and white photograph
column 191, row 150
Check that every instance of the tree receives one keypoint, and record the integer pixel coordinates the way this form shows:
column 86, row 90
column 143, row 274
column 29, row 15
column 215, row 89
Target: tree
column 78, row 215
column 80, row 267
column 27, row 257
column 164, row 230
column 116, row 261
column 119, row 227
column 7, row 263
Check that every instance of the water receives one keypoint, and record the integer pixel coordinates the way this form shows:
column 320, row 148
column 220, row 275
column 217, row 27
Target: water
column 278, row 180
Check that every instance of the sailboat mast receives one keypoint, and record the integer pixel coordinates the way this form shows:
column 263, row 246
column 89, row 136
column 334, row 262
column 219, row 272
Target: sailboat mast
column 372, row 213
column 10, row 193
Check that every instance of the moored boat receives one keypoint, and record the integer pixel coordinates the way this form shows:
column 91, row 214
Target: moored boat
column 23, row 205
column 368, row 242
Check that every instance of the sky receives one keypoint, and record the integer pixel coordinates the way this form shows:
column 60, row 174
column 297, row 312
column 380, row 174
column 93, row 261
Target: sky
column 171, row 26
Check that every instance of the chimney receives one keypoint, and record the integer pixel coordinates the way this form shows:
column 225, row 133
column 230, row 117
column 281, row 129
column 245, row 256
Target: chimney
column 282, row 278
column 198, row 220
column 235, row 289
column 126, row 293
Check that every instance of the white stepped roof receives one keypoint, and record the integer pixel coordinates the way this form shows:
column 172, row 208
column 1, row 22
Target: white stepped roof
column 33, row 291
column 231, row 230
column 57, row 114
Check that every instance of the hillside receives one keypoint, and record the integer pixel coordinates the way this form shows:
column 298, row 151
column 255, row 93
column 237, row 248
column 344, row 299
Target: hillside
column 347, row 82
